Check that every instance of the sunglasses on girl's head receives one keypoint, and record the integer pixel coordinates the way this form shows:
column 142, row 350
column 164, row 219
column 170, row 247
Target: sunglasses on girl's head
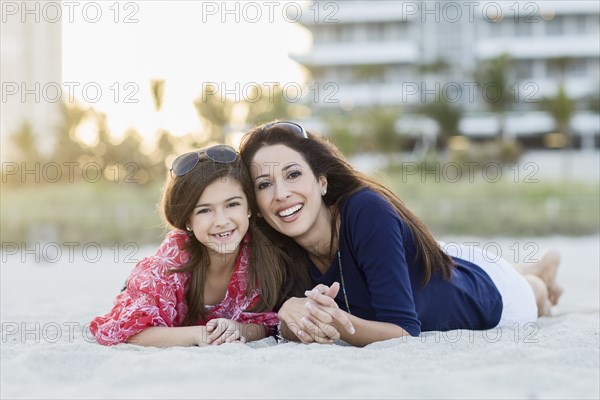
column 287, row 126
column 220, row 153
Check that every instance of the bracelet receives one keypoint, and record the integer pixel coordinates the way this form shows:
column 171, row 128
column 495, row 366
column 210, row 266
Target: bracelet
column 278, row 336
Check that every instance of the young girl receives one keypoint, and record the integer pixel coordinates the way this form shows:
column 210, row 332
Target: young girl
column 351, row 231
column 215, row 278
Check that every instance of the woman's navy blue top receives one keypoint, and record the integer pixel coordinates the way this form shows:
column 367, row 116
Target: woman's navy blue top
column 383, row 276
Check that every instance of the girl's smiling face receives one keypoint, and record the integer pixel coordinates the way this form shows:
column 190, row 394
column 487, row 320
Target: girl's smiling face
column 220, row 218
column 288, row 194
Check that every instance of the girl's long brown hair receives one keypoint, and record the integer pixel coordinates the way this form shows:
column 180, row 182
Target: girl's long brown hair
column 343, row 181
column 267, row 262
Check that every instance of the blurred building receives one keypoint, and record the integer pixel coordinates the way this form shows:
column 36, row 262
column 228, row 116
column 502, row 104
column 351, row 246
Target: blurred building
column 403, row 53
column 31, row 75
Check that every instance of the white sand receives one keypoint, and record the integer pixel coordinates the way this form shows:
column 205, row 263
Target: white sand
column 54, row 359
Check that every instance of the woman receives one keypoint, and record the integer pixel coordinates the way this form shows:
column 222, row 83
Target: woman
column 395, row 279
column 215, row 278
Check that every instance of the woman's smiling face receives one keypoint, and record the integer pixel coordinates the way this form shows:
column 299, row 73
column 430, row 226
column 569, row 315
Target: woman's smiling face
column 288, row 194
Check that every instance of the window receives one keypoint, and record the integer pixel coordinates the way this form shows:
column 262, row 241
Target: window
column 555, row 26
column 577, row 67
column 347, row 33
column 523, row 28
column 395, row 31
column 499, row 29
column 580, row 22
column 524, row 69
column 396, row 73
column 345, row 75
column 325, row 33
column 557, row 68
column 375, row 32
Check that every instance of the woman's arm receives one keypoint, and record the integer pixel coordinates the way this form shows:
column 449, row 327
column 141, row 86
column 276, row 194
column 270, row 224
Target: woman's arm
column 322, row 307
column 290, row 315
column 162, row 336
column 308, row 320
column 293, row 312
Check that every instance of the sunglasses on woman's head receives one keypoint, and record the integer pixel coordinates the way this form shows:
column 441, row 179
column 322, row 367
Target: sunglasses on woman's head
column 220, row 153
column 287, row 126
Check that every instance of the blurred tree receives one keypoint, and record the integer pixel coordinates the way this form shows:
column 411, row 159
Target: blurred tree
column 165, row 147
column 68, row 148
column 339, row 132
column 164, row 144
column 382, row 123
column 439, row 65
column 366, row 130
column 561, row 107
column 133, row 164
column 24, row 142
column 370, row 74
column 593, row 103
column 447, row 116
column 492, row 76
column 217, row 111
column 129, row 147
column 559, row 66
column 267, row 106
column 105, row 151
column 157, row 89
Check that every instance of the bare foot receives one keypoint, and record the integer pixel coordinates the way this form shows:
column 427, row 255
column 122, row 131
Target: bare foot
column 546, row 269
column 546, row 310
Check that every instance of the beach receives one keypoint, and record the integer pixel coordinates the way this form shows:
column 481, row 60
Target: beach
column 48, row 300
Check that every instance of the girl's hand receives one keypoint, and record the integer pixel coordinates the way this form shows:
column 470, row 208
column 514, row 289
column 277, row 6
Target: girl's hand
column 222, row 330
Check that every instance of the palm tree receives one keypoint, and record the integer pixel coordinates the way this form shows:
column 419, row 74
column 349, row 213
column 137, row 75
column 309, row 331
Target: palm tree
column 68, row 148
column 267, row 108
column 440, row 65
column 157, row 89
column 446, row 115
column 561, row 107
column 217, row 111
column 492, row 75
column 369, row 73
column 381, row 123
column 24, row 141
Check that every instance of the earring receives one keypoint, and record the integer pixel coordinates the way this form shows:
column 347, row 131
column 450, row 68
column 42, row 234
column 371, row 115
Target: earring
column 249, row 215
column 259, row 215
column 324, row 191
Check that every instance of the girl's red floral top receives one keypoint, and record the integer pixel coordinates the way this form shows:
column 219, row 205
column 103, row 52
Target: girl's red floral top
column 155, row 297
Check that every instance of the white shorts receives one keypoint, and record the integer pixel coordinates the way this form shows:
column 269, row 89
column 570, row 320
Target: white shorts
column 518, row 300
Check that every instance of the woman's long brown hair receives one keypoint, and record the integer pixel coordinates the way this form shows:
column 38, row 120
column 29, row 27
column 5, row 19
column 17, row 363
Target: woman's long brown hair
column 267, row 262
column 343, row 181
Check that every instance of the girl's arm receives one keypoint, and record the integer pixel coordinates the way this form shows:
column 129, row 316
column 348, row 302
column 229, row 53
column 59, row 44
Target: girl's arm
column 153, row 297
column 161, row 336
column 217, row 331
column 222, row 330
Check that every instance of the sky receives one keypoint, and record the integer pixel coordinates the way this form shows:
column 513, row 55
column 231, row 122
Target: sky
column 121, row 47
